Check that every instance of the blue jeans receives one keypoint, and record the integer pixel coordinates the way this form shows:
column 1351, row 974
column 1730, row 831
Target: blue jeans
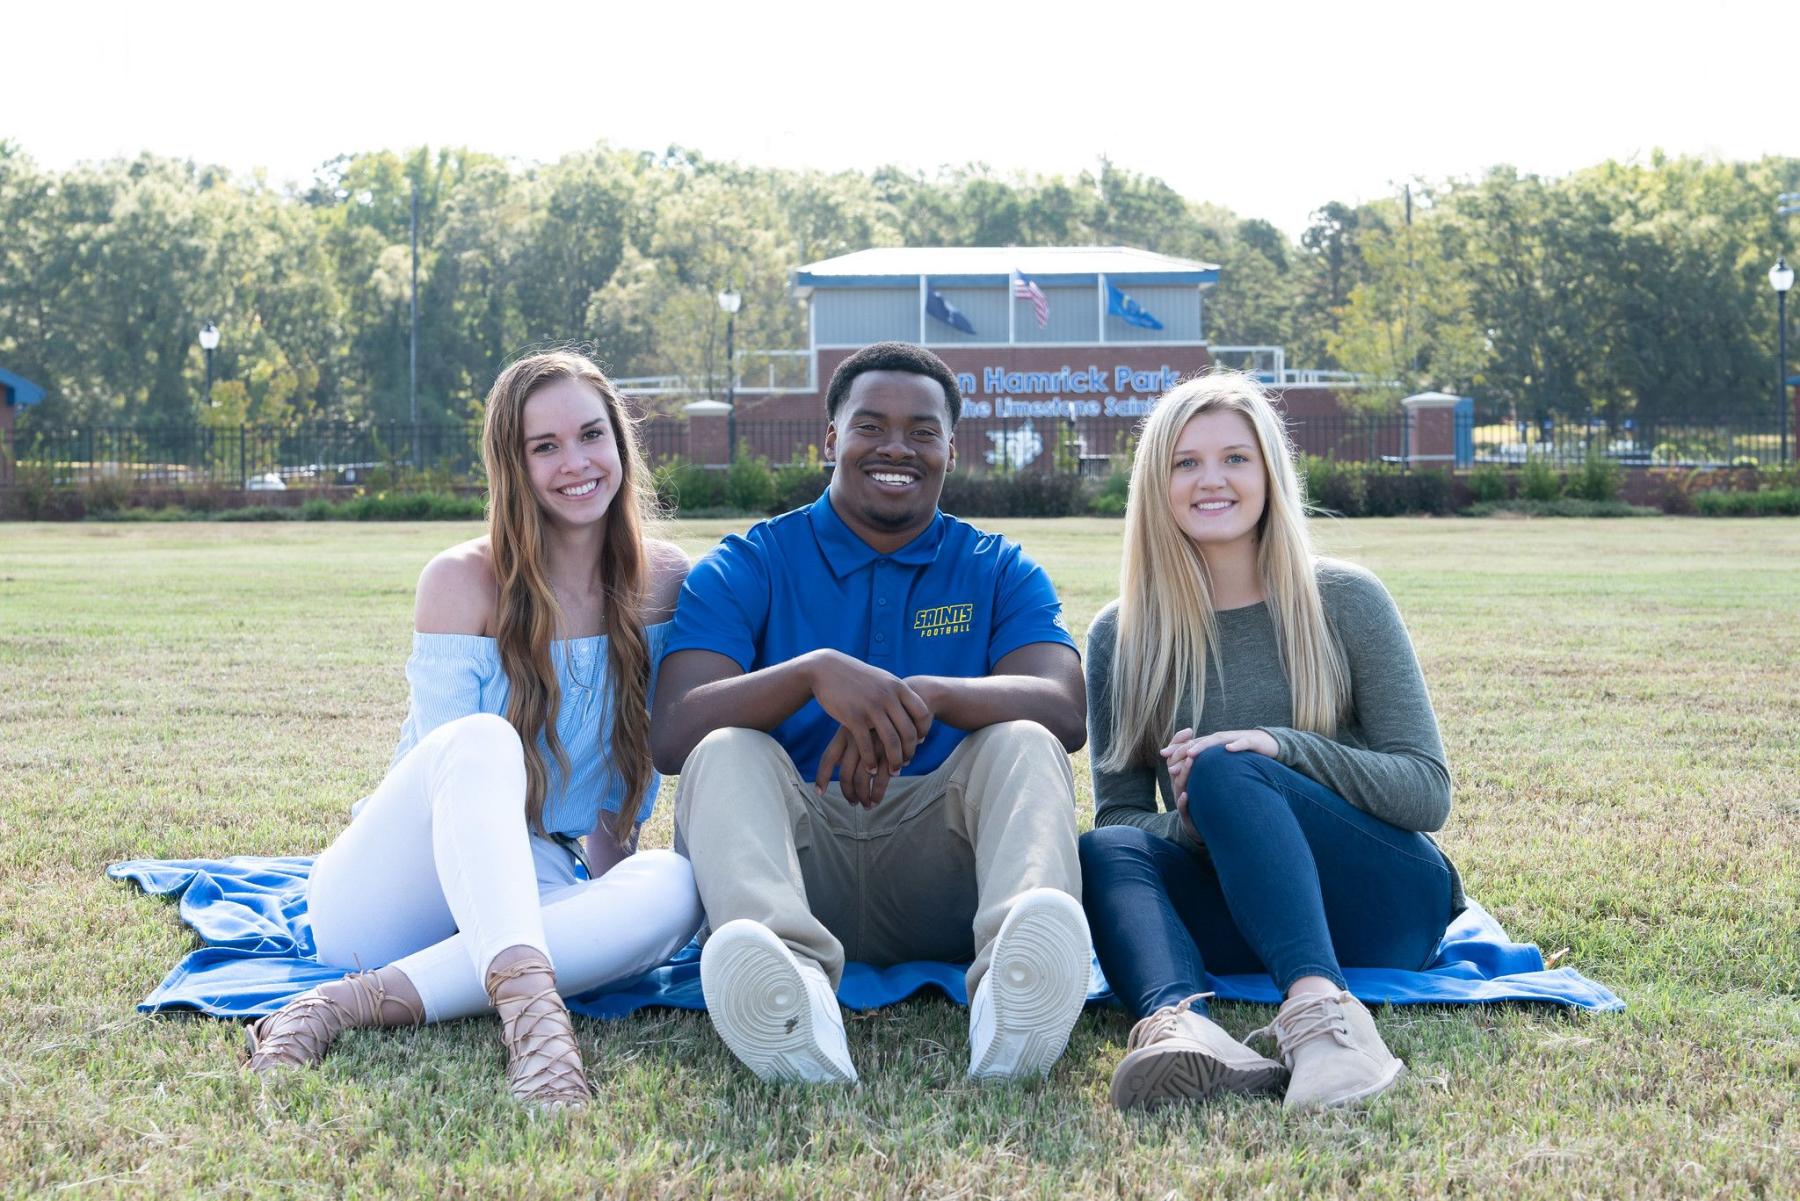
column 1295, row 881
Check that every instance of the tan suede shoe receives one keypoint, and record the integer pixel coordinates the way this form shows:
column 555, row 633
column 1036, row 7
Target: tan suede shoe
column 1176, row 1054
column 1332, row 1049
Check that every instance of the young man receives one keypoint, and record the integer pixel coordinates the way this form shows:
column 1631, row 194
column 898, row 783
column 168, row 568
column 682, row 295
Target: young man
column 924, row 664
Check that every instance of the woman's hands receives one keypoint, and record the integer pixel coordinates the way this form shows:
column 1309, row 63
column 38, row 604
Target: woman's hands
column 1184, row 748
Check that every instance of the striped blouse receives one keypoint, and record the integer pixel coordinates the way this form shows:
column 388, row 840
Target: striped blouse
column 455, row 675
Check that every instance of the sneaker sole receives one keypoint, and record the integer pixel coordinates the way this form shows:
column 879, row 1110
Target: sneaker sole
column 759, row 1006
column 1158, row 1076
column 1039, row 975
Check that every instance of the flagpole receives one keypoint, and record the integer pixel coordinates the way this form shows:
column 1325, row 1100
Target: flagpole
column 1012, row 310
column 1101, row 297
column 921, row 310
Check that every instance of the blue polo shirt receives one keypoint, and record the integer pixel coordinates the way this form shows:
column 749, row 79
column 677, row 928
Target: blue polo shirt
column 952, row 602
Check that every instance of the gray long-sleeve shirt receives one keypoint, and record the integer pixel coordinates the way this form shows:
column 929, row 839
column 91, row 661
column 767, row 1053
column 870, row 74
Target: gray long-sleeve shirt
column 1386, row 758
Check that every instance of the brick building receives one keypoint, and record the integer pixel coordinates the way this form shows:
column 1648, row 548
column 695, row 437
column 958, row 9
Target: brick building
column 1059, row 351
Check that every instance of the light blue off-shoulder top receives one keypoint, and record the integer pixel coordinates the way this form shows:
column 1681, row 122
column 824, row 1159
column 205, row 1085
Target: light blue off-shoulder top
column 455, row 675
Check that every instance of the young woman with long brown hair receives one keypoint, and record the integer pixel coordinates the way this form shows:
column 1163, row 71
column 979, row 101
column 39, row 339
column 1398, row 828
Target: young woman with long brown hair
column 459, row 883
column 1273, row 699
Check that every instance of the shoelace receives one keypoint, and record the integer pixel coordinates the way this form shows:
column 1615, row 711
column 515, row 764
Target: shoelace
column 543, row 1062
column 1303, row 1020
column 1161, row 1023
column 299, row 1034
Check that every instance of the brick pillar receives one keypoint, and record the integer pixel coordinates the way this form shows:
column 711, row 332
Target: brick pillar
column 8, row 411
column 1793, row 421
column 1431, row 430
column 709, row 438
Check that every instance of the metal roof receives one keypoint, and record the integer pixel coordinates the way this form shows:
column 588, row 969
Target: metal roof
column 24, row 392
column 894, row 265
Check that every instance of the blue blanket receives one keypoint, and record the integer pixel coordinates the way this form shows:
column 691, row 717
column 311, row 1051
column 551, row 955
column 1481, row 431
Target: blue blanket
column 251, row 914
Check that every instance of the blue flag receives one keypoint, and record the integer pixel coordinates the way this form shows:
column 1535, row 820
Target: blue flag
column 949, row 314
column 1128, row 310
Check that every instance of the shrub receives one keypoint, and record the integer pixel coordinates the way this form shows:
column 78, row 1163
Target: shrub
column 1332, row 486
column 1114, row 493
column 1770, row 502
column 1775, row 475
column 1538, row 481
column 410, row 506
column 1563, row 506
column 1016, row 494
column 108, row 494
column 214, row 505
column 684, row 485
column 749, row 484
column 1488, row 485
column 1672, row 491
column 1392, row 492
column 1433, row 491
column 34, row 493
column 1600, row 478
column 799, row 484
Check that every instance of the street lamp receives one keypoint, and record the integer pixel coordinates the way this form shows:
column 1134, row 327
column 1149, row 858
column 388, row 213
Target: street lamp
column 209, row 342
column 730, row 301
column 1781, row 278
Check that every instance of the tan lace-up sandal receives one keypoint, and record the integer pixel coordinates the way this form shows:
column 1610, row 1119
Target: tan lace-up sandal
column 543, row 1062
column 298, row 1034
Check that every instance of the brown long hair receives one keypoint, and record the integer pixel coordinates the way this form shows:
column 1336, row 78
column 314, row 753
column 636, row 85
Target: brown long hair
column 526, row 611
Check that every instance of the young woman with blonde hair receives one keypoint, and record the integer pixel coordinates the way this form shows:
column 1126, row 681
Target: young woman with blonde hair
column 1273, row 700
column 460, row 883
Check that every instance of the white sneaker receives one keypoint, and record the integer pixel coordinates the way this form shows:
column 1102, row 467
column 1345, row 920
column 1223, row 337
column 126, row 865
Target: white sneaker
column 1036, row 984
column 774, row 1010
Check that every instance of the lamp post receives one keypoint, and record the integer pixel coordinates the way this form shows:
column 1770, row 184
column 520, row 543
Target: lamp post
column 209, row 342
column 730, row 301
column 1781, row 278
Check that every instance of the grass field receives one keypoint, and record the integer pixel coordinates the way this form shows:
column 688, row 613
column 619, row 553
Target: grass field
column 1621, row 709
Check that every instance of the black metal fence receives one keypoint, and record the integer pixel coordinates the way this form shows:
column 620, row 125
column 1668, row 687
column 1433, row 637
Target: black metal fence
column 311, row 454
column 1684, row 441
column 372, row 454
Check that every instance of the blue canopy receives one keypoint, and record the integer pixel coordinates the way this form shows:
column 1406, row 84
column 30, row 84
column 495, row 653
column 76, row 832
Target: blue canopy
column 19, row 390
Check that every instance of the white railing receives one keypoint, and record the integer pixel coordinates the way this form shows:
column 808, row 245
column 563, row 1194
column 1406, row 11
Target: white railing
column 1268, row 364
column 759, row 373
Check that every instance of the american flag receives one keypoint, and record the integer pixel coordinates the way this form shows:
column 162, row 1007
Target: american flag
column 1024, row 289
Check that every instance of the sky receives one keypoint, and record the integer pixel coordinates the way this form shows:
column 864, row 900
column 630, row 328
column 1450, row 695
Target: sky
column 1270, row 109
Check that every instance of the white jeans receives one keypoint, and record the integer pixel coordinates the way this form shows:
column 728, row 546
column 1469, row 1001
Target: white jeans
column 438, row 873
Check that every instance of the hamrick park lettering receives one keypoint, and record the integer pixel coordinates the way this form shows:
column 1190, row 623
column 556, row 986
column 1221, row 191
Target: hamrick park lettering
column 1068, row 391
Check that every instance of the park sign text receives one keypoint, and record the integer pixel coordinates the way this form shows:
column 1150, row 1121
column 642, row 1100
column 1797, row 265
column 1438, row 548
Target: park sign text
column 1067, row 391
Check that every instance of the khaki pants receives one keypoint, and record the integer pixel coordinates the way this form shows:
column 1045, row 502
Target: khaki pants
column 930, row 873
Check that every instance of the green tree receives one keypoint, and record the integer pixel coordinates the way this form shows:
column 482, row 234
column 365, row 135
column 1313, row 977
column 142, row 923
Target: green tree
column 1328, row 267
column 1410, row 324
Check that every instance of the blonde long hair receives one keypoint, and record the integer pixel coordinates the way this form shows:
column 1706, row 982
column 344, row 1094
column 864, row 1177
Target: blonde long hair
column 1167, row 629
column 527, row 612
